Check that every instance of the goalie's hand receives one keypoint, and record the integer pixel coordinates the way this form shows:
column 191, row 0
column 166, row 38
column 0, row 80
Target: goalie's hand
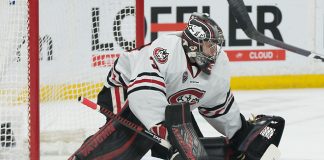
column 160, row 130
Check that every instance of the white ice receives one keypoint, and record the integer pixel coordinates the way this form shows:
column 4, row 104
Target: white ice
column 303, row 110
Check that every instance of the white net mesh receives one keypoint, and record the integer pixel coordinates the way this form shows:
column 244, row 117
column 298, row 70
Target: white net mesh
column 79, row 41
column 13, row 80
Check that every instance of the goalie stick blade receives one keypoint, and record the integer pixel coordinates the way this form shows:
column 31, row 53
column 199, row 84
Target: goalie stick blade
column 272, row 153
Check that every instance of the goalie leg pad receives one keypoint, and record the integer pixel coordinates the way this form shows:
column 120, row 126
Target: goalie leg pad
column 181, row 132
column 115, row 141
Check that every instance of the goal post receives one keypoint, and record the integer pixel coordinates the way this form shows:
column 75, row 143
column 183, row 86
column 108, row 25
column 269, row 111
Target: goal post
column 52, row 52
column 140, row 27
column 33, row 82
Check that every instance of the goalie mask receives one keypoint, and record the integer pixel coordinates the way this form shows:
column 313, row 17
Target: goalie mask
column 202, row 41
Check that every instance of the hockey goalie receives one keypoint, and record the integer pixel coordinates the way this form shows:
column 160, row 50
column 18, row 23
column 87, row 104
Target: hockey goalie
column 158, row 85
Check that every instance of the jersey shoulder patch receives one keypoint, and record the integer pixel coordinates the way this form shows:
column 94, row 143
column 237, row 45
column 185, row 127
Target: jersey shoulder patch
column 160, row 55
column 163, row 47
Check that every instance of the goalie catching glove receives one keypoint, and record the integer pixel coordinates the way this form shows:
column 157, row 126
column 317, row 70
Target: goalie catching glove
column 255, row 136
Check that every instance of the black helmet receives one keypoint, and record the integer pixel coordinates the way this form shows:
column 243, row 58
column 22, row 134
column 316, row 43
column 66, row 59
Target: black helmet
column 202, row 41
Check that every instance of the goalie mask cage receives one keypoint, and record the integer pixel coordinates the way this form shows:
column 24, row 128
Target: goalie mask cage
column 51, row 52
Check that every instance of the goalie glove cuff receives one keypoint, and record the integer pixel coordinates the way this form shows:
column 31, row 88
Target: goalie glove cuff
column 241, row 133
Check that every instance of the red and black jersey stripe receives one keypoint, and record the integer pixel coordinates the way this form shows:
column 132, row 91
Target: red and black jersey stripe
column 220, row 109
column 147, row 81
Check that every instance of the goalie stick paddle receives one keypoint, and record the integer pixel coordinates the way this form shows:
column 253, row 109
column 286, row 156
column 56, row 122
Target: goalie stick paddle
column 138, row 129
column 240, row 13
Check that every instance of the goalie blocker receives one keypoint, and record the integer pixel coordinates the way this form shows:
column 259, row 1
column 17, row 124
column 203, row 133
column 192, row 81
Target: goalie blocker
column 182, row 133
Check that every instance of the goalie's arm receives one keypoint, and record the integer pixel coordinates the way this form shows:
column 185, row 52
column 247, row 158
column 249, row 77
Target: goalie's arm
column 224, row 116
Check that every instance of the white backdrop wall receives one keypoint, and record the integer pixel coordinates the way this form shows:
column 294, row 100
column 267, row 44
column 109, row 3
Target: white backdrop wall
column 67, row 26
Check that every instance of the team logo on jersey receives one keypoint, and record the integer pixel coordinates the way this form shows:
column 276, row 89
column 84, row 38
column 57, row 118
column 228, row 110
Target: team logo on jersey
column 184, row 77
column 190, row 95
column 160, row 55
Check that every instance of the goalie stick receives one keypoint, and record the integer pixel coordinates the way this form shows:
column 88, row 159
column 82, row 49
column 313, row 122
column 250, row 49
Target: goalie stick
column 138, row 129
column 240, row 13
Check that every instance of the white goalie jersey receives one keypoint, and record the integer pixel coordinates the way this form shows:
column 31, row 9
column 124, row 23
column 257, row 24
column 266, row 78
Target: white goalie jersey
column 160, row 74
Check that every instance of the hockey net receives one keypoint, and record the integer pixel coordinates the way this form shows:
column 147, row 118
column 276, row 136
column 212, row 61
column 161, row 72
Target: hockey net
column 78, row 42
